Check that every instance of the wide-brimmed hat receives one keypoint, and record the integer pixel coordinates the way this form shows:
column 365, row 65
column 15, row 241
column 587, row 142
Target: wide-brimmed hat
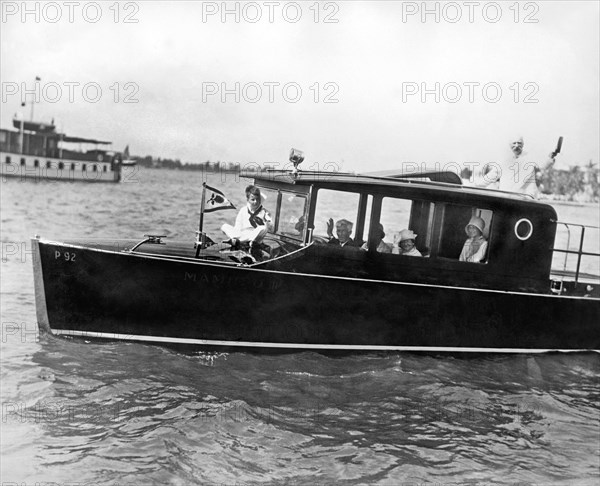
column 476, row 221
column 407, row 235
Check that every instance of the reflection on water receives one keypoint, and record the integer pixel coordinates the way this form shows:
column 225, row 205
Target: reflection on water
column 111, row 413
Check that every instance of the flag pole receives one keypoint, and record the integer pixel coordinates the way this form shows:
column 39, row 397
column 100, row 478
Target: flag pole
column 200, row 239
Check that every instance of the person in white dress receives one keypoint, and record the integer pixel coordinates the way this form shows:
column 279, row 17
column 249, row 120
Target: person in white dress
column 475, row 248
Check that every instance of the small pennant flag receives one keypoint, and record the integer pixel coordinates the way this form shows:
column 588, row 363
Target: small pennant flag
column 215, row 200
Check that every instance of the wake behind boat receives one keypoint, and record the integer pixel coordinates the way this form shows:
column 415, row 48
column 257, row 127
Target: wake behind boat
column 298, row 291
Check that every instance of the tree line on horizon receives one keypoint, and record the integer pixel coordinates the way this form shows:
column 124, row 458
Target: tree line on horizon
column 577, row 182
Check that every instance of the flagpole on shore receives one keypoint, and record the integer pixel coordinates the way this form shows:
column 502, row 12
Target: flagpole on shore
column 34, row 100
column 200, row 240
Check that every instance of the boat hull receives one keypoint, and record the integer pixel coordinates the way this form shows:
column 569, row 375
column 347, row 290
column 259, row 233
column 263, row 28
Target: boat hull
column 41, row 168
column 141, row 297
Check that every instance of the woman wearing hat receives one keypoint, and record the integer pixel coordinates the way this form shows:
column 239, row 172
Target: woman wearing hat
column 406, row 244
column 475, row 247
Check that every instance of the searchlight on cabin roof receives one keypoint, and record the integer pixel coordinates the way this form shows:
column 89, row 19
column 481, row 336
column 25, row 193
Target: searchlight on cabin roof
column 296, row 158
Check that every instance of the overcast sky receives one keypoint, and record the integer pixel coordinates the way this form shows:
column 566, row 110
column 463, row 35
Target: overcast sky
column 374, row 61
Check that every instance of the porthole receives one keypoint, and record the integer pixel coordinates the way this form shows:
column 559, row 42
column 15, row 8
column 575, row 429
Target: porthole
column 523, row 229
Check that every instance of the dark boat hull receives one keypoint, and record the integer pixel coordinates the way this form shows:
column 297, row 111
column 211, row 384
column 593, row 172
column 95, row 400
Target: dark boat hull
column 119, row 295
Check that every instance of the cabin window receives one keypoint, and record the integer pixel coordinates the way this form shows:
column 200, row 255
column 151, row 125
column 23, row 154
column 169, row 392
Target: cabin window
column 61, row 166
column 336, row 205
column 2, row 137
column 22, row 161
column 456, row 243
column 269, row 200
column 291, row 214
column 523, row 229
column 36, row 163
column 7, row 159
column 402, row 217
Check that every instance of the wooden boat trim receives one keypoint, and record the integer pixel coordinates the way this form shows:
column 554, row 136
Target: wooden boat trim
column 41, row 309
column 306, row 346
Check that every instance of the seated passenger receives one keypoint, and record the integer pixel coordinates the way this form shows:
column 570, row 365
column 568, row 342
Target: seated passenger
column 382, row 246
column 299, row 226
column 404, row 244
column 251, row 224
column 343, row 229
column 475, row 247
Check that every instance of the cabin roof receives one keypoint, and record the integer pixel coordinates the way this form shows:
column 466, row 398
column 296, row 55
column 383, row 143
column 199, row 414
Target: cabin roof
column 49, row 130
column 416, row 181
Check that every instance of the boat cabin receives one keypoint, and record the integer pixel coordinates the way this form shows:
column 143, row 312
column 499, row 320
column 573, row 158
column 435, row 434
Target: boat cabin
column 519, row 230
column 44, row 141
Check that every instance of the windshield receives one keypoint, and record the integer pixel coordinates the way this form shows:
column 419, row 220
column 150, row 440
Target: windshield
column 291, row 215
column 287, row 210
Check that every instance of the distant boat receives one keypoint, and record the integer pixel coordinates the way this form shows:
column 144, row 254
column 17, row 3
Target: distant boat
column 127, row 160
column 37, row 151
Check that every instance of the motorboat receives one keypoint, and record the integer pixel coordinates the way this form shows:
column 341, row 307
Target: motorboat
column 37, row 150
column 526, row 294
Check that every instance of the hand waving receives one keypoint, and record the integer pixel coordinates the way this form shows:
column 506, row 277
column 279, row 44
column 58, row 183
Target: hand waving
column 330, row 228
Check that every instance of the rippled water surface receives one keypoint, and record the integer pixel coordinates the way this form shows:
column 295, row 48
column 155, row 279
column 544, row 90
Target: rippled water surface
column 118, row 413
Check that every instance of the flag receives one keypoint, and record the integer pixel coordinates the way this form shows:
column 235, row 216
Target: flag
column 214, row 200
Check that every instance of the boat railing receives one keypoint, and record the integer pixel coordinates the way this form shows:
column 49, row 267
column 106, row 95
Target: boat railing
column 586, row 264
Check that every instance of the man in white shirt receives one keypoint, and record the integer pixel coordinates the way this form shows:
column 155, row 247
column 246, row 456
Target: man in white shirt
column 517, row 173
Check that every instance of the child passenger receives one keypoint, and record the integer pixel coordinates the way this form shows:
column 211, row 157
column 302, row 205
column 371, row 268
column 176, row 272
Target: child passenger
column 379, row 234
column 406, row 244
column 475, row 247
column 251, row 224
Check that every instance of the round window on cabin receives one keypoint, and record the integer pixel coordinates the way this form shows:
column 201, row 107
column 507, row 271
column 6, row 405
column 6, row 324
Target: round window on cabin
column 523, row 229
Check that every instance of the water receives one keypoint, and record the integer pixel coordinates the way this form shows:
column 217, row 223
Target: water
column 118, row 413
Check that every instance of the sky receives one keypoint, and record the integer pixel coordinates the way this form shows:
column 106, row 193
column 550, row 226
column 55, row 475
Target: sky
column 367, row 85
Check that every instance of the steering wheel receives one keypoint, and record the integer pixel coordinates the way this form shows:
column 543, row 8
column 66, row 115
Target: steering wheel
column 320, row 239
column 279, row 243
